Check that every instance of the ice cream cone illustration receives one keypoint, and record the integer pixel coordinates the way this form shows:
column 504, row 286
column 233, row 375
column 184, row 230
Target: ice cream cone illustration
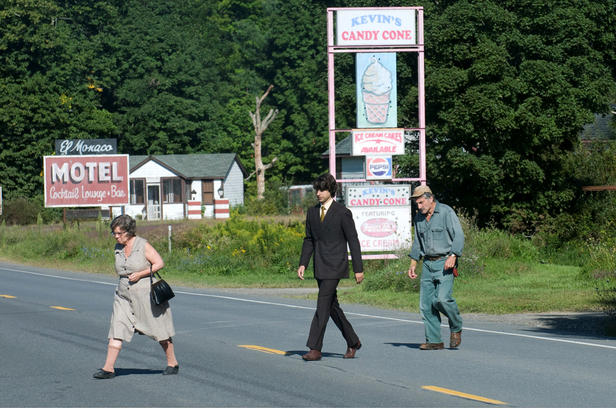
column 376, row 91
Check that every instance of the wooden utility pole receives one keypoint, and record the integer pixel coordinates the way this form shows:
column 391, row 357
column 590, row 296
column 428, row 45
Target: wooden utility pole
column 260, row 127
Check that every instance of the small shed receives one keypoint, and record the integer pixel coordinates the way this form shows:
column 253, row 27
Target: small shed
column 176, row 186
column 347, row 166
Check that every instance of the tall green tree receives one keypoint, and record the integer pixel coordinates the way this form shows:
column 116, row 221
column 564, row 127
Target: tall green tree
column 510, row 86
column 44, row 91
column 158, row 65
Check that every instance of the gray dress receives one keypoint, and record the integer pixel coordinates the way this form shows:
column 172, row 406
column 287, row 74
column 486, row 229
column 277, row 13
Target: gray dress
column 132, row 308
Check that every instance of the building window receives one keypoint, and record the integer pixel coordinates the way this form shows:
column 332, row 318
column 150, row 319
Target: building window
column 137, row 191
column 172, row 191
column 207, row 190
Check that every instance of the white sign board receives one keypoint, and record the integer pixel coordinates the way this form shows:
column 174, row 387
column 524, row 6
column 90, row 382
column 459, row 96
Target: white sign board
column 373, row 142
column 384, row 195
column 377, row 90
column 382, row 216
column 376, row 27
column 86, row 181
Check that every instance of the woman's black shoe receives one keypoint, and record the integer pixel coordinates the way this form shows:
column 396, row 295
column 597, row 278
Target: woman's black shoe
column 103, row 375
column 171, row 370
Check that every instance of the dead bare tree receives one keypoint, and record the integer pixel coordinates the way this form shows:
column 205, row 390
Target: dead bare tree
column 260, row 127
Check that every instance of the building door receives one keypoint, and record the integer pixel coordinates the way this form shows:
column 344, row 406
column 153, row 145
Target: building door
column 154, row 212
column 207, row 192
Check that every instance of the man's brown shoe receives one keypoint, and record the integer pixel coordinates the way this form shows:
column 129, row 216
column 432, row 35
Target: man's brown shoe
column 455, row 339
column 350, row 353
column 312, row 355
column 432, row 346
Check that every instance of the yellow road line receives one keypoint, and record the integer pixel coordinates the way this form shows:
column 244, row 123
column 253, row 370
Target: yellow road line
column 262, row 349
column 463, row 395
column 8, row 296
column 61, row 308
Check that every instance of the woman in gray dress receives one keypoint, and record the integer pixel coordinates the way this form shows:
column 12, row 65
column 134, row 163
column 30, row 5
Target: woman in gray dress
column 133, row 311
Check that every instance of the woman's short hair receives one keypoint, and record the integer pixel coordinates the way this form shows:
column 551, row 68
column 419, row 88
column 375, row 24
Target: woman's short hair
column 126, row 224
column 326, row 182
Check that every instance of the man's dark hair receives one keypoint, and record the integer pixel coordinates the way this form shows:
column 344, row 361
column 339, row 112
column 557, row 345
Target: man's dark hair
column 326, row 182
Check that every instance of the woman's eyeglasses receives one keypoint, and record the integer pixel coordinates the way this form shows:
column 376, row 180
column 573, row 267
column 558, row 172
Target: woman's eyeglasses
column 115, row 234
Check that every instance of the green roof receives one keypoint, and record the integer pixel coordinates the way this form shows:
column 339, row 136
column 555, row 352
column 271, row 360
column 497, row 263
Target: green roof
column 600, row 128
column 192, row 166
column 343, row 147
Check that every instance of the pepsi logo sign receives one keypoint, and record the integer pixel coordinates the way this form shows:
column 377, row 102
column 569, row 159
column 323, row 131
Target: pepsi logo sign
column 379, row 166
column 378, row 227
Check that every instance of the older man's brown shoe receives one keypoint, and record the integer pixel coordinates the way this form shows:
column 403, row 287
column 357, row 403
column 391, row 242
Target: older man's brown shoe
column 455, row 339
column 350, row 353
column 312, row 355
column 432, row 346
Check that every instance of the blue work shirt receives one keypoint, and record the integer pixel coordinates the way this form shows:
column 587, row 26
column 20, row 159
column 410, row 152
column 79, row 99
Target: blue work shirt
column 441, row 236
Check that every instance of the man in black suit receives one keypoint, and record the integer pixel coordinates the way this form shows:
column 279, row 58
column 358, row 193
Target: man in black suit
column 329, row 228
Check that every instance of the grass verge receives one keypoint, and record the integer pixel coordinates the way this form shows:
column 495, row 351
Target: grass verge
column 500, row 273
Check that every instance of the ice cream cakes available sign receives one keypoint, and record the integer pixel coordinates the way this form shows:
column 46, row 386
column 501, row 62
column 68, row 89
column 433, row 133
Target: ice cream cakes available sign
column 375, row 27
column 378, row 168
column 377, row 142
column 376, row 90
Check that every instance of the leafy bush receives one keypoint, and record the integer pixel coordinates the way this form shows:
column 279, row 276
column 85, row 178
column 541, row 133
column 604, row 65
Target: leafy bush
column 55, row 243
column 309, row 200
column 482, row 244
column 240, row 244
column 601, row 267
column 20, row 211
column 262, row 249
column 274, row 202
column 492, row 243
column 598, row 262
column 395, row 279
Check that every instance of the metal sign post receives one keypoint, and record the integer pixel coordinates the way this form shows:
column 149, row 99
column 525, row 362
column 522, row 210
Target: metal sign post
column 351, row 38
column 382, row 212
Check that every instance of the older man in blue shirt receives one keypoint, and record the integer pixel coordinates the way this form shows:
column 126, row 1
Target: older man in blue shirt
column 439, row 239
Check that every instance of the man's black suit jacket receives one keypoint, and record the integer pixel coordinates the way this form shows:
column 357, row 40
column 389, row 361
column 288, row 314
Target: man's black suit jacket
column 328, row 240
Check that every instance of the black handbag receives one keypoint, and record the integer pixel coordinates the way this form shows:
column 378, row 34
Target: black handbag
column 160, row 291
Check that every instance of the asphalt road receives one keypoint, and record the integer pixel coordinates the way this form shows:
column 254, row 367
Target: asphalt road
column 242, row 349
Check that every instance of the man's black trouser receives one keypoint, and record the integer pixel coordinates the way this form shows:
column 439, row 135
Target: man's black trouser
column 327, row 305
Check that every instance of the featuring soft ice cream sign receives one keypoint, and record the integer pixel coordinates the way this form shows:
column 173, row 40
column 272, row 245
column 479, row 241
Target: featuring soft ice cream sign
column 383, row 228
column 376, row 90
column 374, row 142
column 86, row 181
column 377, row 27
column 382, row 215
column 378, row 168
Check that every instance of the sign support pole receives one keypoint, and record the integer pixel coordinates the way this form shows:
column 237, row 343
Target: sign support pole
column 331, row 87
column 417, row 47
column 384, row 210
column 421, row 98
